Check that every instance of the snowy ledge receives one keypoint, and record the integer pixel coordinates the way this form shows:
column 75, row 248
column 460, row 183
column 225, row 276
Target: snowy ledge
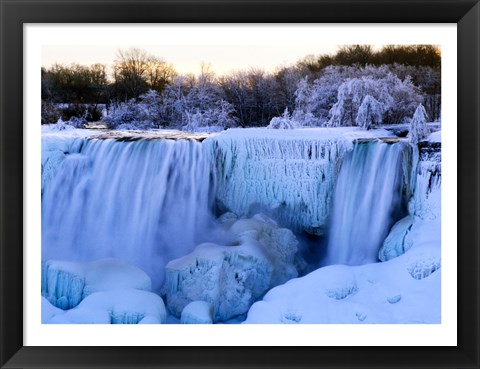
column 349, row 133
column 150, row 135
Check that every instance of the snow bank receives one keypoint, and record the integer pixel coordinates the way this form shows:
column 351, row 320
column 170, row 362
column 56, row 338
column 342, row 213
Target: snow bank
column 231, row 278
column 403, row 290
column 289, row 174
column 197, row 312
column 66, row 284
column 435, row 137
column 49, row 311
column 115, row 307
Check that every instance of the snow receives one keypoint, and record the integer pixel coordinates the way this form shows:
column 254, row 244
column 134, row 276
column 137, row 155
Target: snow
column 283, row 122
column 289, row 175
column 418, row 125
column 396, row 243
column 403, row 290
column 115, row 307
column 435, row 137
column 66, row 284
column 197, row 312
column 231, row 278
column 49, row 311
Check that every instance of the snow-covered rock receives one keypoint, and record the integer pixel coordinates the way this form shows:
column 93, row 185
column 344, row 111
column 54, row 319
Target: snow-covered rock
column 231, row 278
column 65, row 284
column 405, row 289
column 197, row 312
column 116, row 307
column 49, row 311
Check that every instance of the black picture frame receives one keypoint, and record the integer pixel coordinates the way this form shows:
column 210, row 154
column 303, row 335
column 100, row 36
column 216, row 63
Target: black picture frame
column 15, row 13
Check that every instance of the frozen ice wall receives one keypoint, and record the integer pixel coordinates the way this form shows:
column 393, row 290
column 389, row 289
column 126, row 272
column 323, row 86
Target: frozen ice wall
column 425, row 204
column 144, row 202
column 289, row 175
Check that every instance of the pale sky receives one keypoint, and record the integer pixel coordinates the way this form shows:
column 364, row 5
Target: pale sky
column 222, row 58
column 225, row 47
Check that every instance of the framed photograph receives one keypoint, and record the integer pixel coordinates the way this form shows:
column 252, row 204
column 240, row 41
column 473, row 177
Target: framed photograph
column 274, row 168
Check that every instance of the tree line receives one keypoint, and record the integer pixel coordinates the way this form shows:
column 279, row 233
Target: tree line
column 245, row 98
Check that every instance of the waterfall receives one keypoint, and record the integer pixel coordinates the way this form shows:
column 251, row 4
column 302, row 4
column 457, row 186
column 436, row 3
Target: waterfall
column 145, row 202
column 367, row 202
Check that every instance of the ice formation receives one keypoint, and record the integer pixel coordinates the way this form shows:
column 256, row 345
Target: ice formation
column 115, row 307
column 231, row 278
column 289, row 175
column 55, row 149
column 397, row 243
column 65, row 284
column 426, row 201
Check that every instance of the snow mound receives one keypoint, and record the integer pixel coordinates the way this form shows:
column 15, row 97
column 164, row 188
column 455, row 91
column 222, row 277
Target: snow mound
column 49, row 311
column 435, row 136
column 396, row 243
column 232, row 278
column 116, row 307
column 405, row 289
column 197, row 312
column 423, row 264
column 65, row 284
column 283, row 122
column 341, row 284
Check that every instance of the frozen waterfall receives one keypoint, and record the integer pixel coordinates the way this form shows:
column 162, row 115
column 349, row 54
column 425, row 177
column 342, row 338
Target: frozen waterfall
column 367, row 202
column 145, row 202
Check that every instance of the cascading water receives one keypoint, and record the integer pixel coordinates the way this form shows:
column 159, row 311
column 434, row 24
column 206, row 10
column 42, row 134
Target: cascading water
column 145, row 202
column 367, row 202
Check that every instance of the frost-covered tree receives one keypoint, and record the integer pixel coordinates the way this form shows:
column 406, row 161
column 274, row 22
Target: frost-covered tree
column 283, row 122
column 197, row 104
column 370, row 113
column 174, row 101
column 333, row 99
column 304, row 105
column 418, row 125
column 216, row 118
column 397, row 98
column 142, row 114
